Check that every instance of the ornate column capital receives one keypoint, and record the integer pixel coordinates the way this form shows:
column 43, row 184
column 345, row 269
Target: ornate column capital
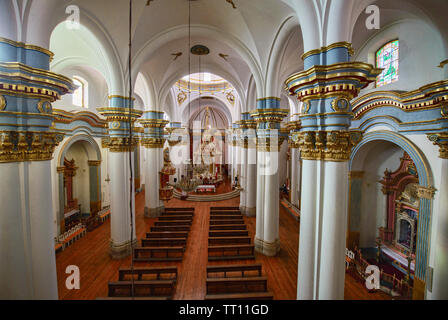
column 440, row 140
column 154, row 125
column 120, row 116
column 27, row 90
column 327, row 145
column 426, row 192
column 18, row 146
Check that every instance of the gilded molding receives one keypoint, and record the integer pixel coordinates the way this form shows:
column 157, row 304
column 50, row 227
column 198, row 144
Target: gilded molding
column 2, row 103
column 94, row 163
column 327, row 145
column 426, row 192
column 28, row 146
column 266, row 145
column 153, row 123
column 60, row 169
column 153, row 143
column 44, row 106
column 356, row 174
column 28, row 47
column 440, row 140
column 341, row 104
column 120, row 97
column 444, row 111
column 122, row 144
column 416, row 100
column 342, row 44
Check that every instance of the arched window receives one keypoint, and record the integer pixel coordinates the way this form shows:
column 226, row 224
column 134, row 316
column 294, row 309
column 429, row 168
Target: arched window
column 81, row 95
column 387, row 58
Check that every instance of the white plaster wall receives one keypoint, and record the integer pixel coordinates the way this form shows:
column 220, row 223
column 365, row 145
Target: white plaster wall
column 380, row 157
column 81, row 189
column 421, row 51
column 282, row 167
column 97, row 90
column 105, row 198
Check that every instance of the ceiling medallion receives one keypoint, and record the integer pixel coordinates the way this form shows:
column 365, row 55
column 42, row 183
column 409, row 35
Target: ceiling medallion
column 200, row 50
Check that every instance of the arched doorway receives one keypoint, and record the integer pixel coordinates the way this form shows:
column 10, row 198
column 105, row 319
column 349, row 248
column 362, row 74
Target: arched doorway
column 79, row 176
column 391, row 182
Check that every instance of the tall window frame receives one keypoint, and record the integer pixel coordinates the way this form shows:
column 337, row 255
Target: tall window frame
column 388, row 58
column 81, row 94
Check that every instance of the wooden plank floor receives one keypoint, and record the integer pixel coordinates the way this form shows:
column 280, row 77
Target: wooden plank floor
column 90, row 254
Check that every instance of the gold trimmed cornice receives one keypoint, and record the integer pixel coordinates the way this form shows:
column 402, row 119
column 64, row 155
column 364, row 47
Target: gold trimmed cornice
column 153, row 123
column 342, row 44
column 94, row 163
column 268, row 145
column 407, row 101
column 28, row 47
column 36, row 71
column 153, row 143
column 122, row 144
column 120, row 97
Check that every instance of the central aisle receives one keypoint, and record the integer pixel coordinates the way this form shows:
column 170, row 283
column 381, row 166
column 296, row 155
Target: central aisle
column 90, row 254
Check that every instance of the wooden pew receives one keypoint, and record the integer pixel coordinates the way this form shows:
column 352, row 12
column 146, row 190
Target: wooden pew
column 178, row 213
column 164, row 242
column 228, row 227
column 170, row 273
column 226, row 222
column 231, row 252
column 223, row 270
column 241, row 296
column 175, row 218
column 172, row 223
column 167, row 234
column 224, row 208
column 158, row 254
column 217, row 213
column 158, row 288
column 178, row 209
column 228, row 233
column 131, row 298
column 227, row 217
column 170, row 228
column 214, row 241
column 236, row 285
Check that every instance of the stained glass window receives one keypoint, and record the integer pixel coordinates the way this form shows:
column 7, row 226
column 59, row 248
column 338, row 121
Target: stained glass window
column 387, row 58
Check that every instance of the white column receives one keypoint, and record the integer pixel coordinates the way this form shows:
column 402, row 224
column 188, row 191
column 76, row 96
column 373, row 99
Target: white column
column 271, row 241
column 120, row 204
column 251, row 181
column 295, row 176
column 154, row 206
column 309, row 232
column 440, row 276
column 259, row 228
column 238, row 162
column 243, row 178
column 27, row 256
column 334, row 230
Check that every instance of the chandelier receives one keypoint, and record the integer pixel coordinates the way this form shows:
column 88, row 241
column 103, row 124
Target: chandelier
column 187, row 184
